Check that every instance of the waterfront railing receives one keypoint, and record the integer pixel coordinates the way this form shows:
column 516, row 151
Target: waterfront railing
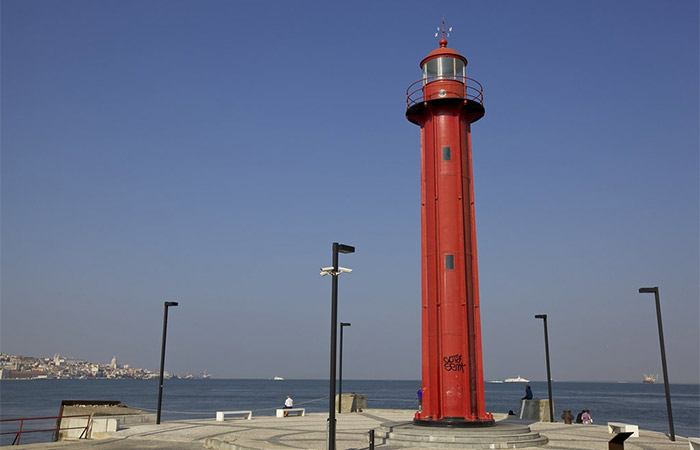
column 55, row 429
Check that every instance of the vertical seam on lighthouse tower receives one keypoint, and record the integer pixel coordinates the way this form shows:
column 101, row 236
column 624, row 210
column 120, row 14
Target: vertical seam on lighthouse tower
column 439, row 300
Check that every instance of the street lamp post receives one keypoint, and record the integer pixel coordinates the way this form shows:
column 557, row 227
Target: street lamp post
column 655, row 291
column 340, row 369
column 549, row 373
column 334, row 271
column 162, row 358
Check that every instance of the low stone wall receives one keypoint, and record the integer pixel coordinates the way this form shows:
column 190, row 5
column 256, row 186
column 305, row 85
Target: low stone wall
column 77, row 428
column 100, row 426
column 135, row 419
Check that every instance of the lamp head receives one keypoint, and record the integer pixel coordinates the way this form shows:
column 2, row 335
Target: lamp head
column 170, row 303
column 649, row 290
column 342, row 248
column 541, row 316
column 344, row 324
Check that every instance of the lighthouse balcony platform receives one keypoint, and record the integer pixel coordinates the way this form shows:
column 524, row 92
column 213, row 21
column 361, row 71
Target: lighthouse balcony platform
column 444, row 86
column 448, row 89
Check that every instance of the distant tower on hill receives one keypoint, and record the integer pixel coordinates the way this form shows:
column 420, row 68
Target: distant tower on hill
column 113, row 364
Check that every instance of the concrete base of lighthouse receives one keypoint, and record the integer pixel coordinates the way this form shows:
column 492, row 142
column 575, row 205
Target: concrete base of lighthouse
column 504, row 434
column 454, row 422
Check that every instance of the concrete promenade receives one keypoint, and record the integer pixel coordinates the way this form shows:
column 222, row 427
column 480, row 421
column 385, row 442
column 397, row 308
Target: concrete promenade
column 309, row 432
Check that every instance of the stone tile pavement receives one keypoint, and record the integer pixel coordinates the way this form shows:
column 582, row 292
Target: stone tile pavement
column 309, row 432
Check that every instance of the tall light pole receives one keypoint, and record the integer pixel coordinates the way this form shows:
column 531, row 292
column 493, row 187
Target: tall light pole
column 162, row 358
column 655, row 291
column 334, row 272
column 340, row 369
column 549, row 373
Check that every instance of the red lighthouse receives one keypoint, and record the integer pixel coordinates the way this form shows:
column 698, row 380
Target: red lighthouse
column 444, row 103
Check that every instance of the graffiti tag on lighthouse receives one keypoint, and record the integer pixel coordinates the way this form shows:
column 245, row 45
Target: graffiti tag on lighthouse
column 453, row 363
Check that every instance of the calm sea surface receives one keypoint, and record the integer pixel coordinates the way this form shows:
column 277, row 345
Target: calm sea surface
column 642, row 404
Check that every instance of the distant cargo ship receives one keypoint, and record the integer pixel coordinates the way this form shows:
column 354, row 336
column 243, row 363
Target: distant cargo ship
column 516, row 380
column 650, row 379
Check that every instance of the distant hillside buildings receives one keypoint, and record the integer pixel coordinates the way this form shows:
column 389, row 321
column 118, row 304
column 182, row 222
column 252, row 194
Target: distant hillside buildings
column 29, row 368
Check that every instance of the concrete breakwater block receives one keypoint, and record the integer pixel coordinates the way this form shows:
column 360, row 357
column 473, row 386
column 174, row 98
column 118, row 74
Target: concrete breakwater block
column 504, row 434
column 351, row 403
column 97, row 419
column 537, row 410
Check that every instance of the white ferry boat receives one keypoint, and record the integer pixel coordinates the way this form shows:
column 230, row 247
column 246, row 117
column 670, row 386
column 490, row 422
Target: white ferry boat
column 516, row 380
column 278, row 379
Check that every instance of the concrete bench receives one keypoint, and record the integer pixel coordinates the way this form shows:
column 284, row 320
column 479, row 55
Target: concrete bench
column 298, row 411
column 618, row 427
column 220, row 414
column 694, row 443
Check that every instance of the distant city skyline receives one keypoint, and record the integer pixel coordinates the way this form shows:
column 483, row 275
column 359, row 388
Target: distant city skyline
column 155, row 371
column 210, row 152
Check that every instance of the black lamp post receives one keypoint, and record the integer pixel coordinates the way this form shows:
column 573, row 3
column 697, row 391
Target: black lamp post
column 549, row 373
column 340, row 369
column 655, row 291
column 162, row 359
column 334, row 271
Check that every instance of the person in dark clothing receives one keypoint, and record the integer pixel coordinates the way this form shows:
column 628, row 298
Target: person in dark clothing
column 578, row 417
column 420, row 399
column 528, row 393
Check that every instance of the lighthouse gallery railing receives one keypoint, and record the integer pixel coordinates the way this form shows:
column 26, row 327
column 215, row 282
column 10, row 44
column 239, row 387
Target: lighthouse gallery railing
column 470, row 89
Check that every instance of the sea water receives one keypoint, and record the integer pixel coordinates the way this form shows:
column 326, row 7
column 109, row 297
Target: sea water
column 636, row 403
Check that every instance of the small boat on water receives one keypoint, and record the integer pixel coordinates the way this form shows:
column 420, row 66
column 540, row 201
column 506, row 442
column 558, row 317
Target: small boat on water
column 495, row 381
column 519, row 379
column 278, row 379
column 650, row 379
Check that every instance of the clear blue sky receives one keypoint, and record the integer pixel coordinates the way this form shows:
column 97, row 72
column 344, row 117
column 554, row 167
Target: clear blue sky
column 210, row 152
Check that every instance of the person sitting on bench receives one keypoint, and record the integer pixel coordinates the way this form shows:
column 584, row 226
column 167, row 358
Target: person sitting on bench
column 289, row 403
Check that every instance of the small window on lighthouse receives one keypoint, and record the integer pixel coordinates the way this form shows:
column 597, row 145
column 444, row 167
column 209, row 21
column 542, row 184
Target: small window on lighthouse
column 449, row 262
column 446, row 154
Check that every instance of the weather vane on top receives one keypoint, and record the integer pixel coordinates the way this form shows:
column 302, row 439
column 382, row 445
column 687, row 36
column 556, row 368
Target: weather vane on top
column 442, row 30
